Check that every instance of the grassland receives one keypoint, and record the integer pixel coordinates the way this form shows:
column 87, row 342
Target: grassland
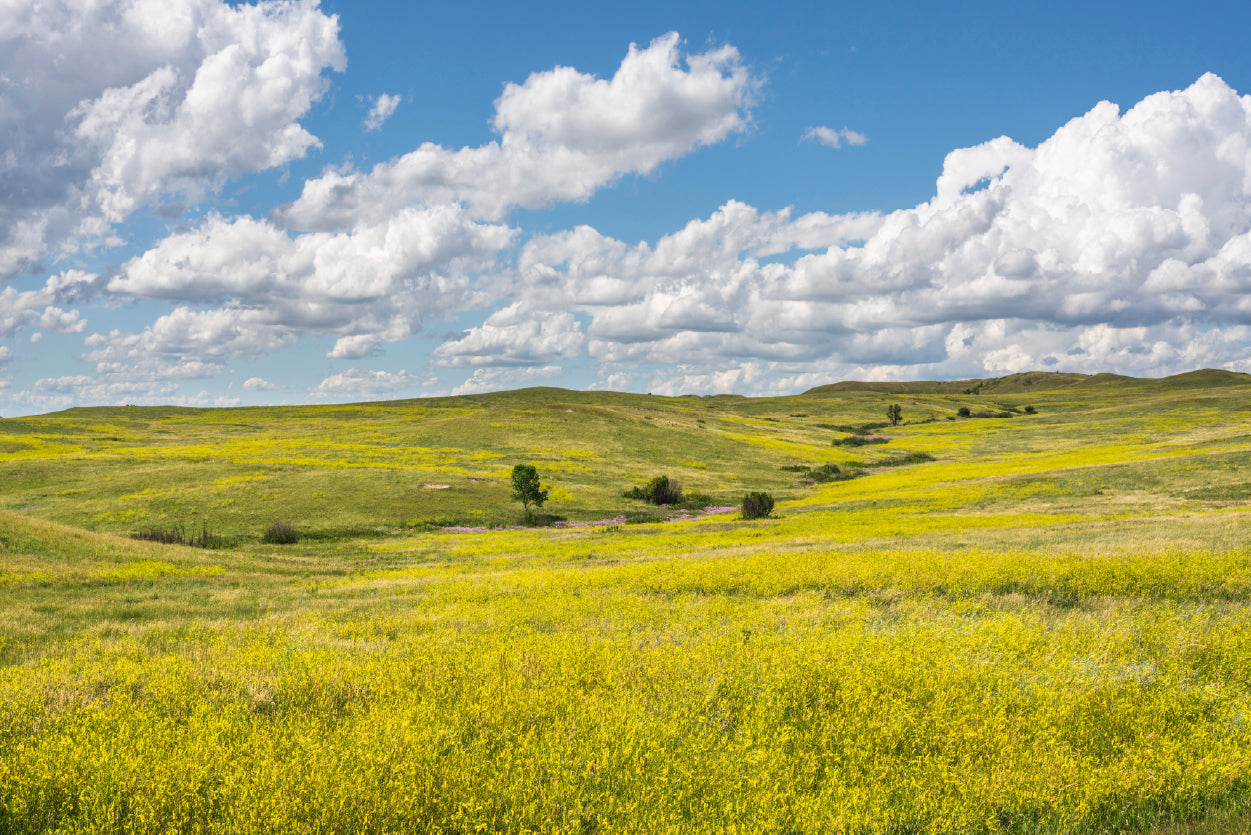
column 1047, row 628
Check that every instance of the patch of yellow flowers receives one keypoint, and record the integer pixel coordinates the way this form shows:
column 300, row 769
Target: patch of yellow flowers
column 891, row 691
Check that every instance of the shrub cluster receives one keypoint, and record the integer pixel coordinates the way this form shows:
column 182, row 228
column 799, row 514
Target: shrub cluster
column 280, row 533
column 901, row 459
column 822, row 473
column 861, row 440
column 166, row 536
column 756, row 505
column 660, row 490
column 854, row 428
column 177, row 535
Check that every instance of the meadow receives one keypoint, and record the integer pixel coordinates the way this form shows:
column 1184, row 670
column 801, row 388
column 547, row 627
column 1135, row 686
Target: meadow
column 1034, row 623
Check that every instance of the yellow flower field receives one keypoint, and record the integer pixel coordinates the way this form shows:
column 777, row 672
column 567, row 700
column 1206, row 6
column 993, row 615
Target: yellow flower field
column 1045, row 629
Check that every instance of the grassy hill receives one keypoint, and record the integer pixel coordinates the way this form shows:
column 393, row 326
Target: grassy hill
column 1029, row 623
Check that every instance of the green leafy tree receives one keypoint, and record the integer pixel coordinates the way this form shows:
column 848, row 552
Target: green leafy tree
column 895, row 413
column 527, row 489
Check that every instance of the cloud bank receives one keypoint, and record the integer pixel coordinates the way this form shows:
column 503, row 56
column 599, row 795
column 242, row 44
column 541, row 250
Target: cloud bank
column 1122, row 242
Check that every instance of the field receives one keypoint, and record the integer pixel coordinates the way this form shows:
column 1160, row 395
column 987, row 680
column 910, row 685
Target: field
column 1019, row 621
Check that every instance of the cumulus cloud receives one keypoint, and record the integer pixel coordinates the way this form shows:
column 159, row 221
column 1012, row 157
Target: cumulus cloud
column 375, row 282
column 258, row 384
column 1122, row 242
column 109, row 106
column 497, row 379
column 381, row 110
column 79, row 389
column 384, row 251
column 39, row 308
column 563, row 135
column 833, row 138
column 515, row 336
column 357, row 382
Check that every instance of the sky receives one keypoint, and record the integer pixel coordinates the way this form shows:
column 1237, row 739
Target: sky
column 214, row 204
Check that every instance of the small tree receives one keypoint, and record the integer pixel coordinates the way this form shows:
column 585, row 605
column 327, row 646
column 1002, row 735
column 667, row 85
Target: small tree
column 527, row 489
column 895, row 413
column 963, row 411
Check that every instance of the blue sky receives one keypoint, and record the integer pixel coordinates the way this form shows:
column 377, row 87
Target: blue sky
column 205, row 203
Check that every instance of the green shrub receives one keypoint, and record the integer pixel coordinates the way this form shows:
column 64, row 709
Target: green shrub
column 902, row 459
column 963, row 411
column 825, row 473
column 165, row 536
column 1029, row 410
column 178, row 536
column 756, row 505
column 280, row 533
column 697, row 501
column 861, row 440
column 660, row 490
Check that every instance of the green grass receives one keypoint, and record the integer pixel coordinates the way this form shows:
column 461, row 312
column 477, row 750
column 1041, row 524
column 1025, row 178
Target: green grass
column 1047, row 628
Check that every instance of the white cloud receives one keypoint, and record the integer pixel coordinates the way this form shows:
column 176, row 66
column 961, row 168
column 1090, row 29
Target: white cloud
column 62, row 321
column 405, row 243
column 20, row 309
column 833, row 138
column 259, row 384
column 356, row 382
column 112, row 105
column 354, row 347
column 563, row 135
column 61, row 392
column 1123, row 242
column 514, row 336
column 497, row 379
column 375, row 283
column 381, row 110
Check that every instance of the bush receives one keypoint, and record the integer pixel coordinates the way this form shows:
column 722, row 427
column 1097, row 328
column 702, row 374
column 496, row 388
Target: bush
column 178, row 536
column 697, row 501
column 165, row 536
column 963, row 411
column 660, row 490
column 756, row 505
column 825, row 473
column 1029, row 410
column 280, row 533
column 861, row 440
column 902, row 459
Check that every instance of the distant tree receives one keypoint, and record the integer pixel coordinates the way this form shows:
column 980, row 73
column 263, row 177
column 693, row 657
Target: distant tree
column 895, row 413
column 527, row 489
column 963, row 411
column 1029, row 410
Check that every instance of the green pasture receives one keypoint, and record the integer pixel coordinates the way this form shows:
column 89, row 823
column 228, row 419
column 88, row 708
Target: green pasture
column 1045, row 628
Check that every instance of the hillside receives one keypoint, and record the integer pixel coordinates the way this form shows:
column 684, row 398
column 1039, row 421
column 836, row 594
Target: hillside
column 976, row 613
column 1039, row 381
